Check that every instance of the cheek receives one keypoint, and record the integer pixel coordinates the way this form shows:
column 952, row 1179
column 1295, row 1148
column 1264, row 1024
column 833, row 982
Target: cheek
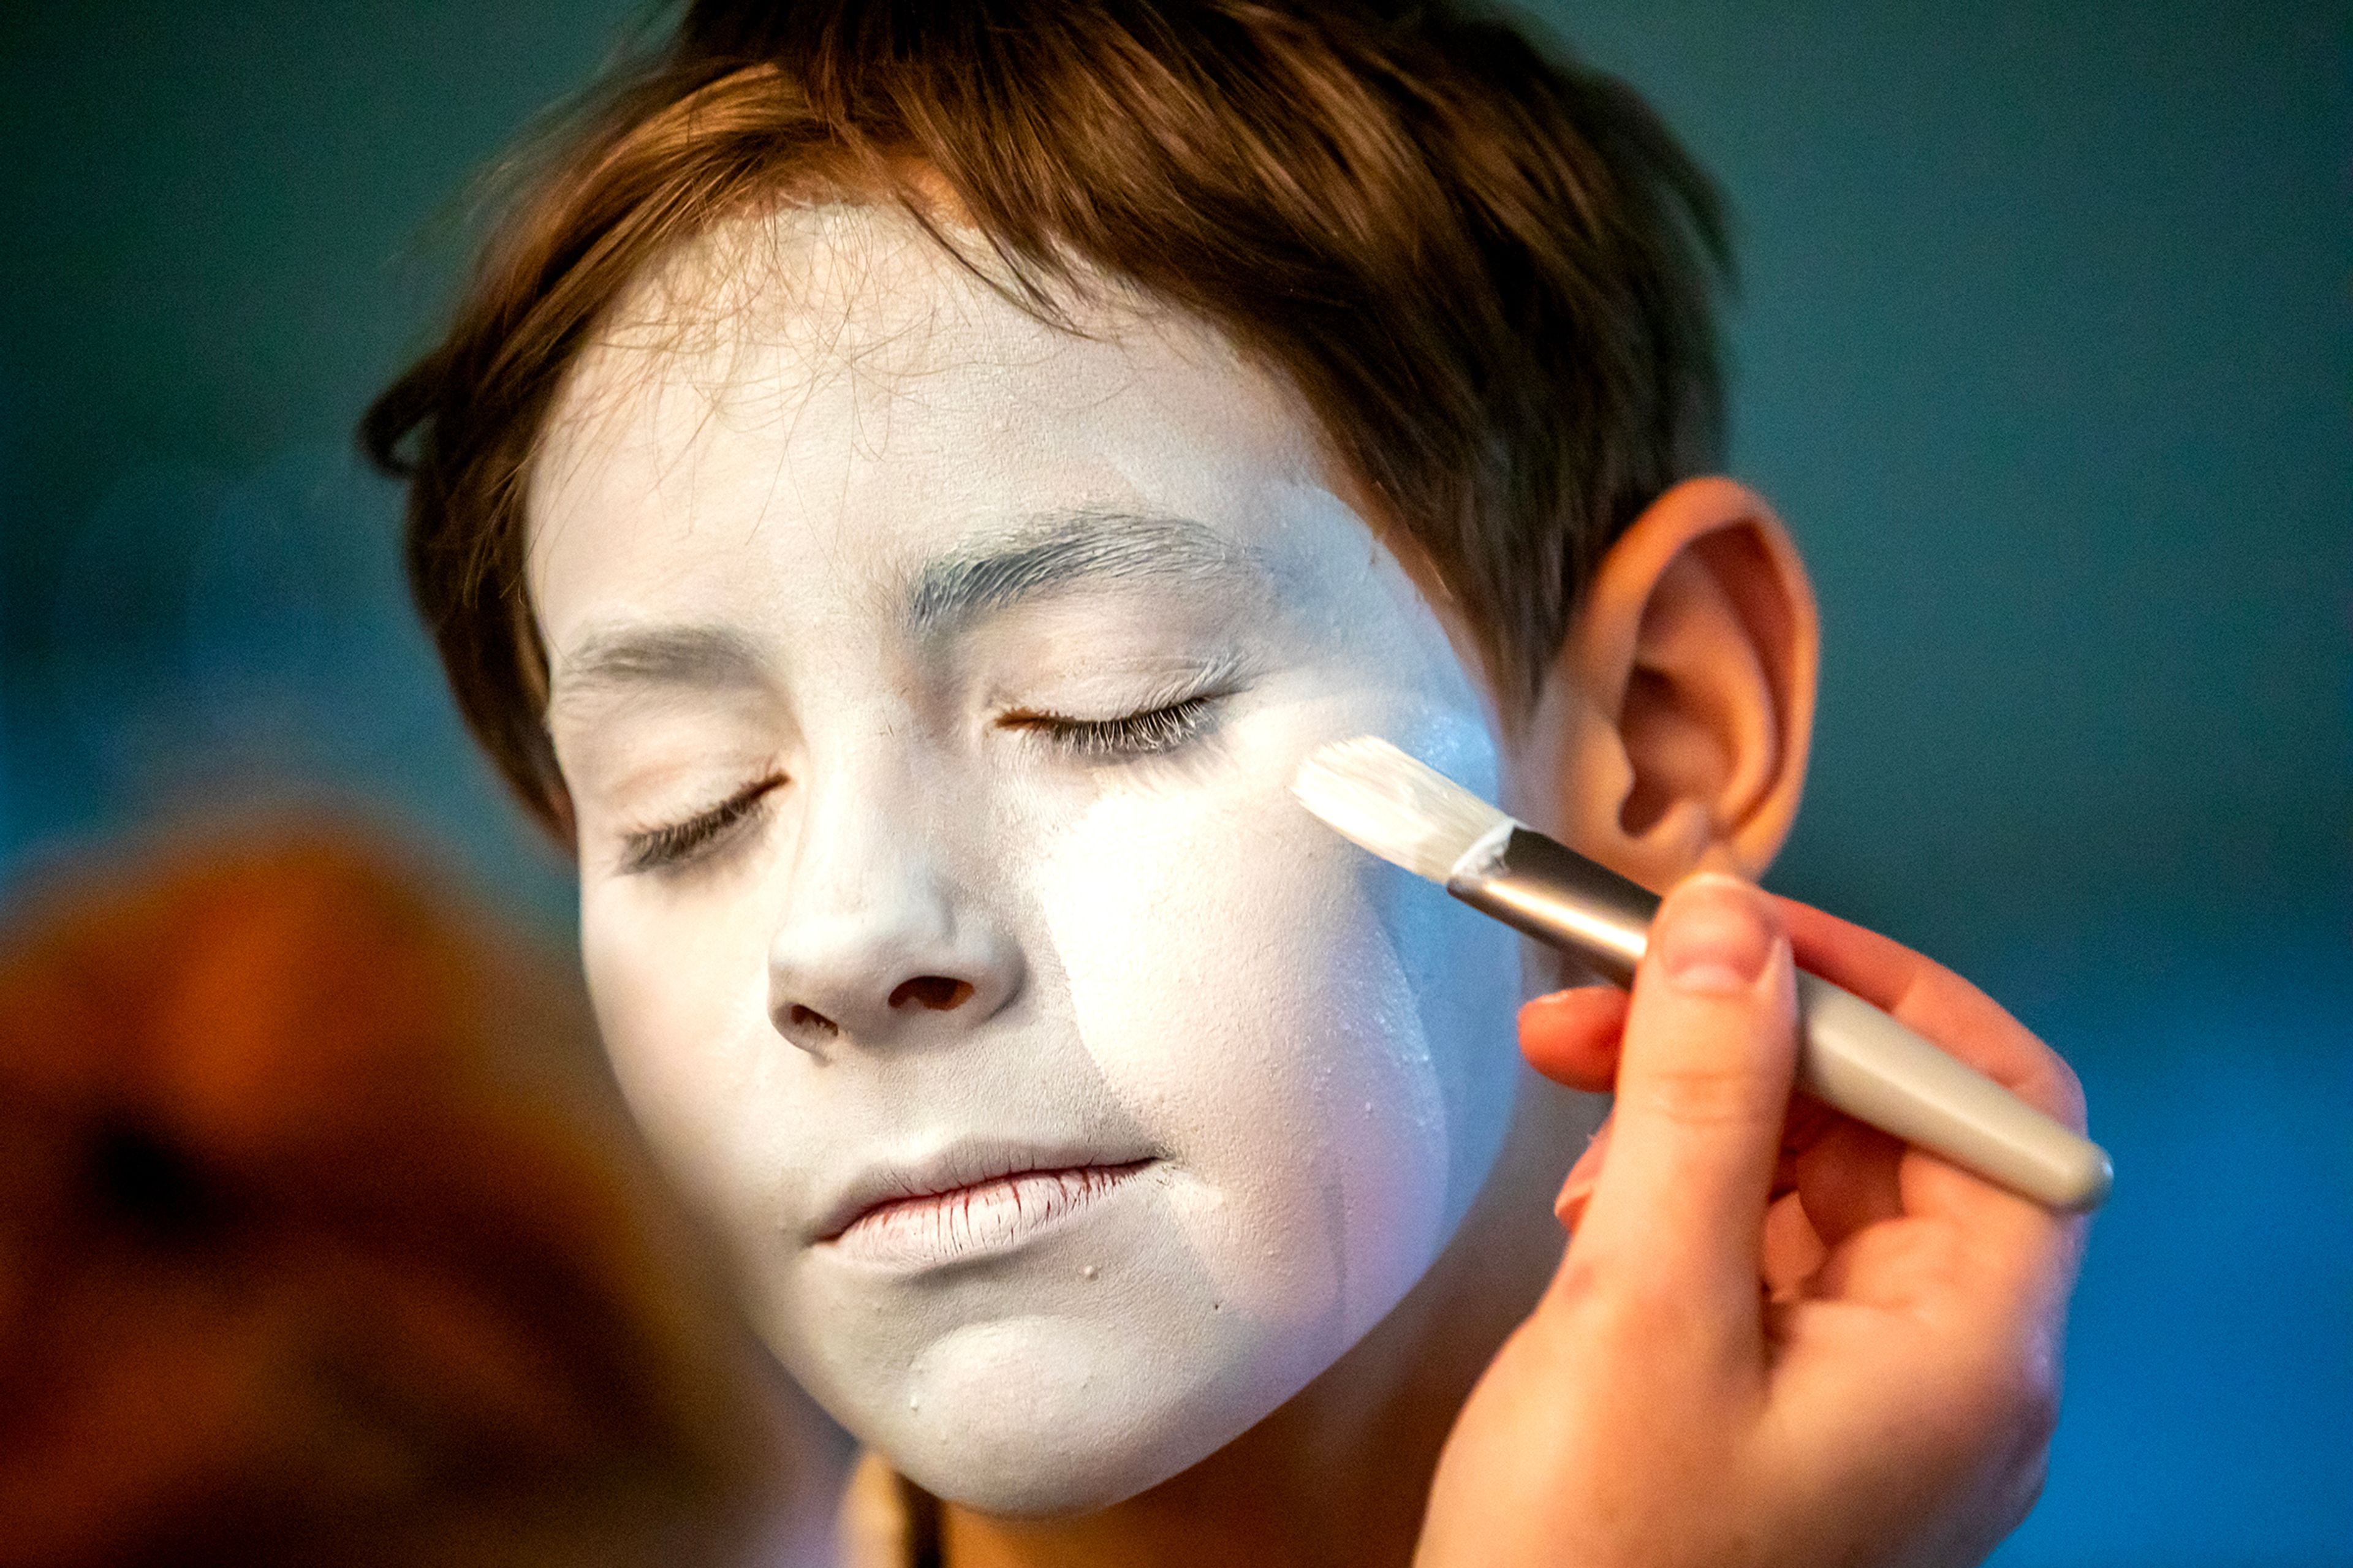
column 1461, row 969
column 1238, row 976
column 681, row 1000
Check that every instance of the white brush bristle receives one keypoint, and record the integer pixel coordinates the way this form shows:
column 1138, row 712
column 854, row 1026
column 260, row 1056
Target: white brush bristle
column 1401, row 809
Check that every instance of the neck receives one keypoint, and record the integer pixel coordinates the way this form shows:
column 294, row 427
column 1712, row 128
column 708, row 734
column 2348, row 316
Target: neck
column 1339, row 1474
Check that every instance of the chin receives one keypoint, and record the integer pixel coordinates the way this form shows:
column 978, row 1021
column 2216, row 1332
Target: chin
column 1027, row 1417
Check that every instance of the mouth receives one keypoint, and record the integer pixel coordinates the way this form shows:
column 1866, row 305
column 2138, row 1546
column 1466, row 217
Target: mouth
column 919, row 1223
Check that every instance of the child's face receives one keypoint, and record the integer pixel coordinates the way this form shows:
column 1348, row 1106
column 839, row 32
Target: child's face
column 1004, row 643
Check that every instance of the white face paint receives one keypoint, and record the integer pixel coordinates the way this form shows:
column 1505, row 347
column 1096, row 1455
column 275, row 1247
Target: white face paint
column 1003, row 643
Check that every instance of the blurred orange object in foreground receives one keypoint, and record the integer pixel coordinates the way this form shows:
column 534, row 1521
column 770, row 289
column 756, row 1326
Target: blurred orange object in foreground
column 315, row 1249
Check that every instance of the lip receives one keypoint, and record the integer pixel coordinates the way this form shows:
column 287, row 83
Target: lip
column 968, row 1201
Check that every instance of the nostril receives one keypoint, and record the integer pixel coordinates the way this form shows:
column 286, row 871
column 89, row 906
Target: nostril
column 937, row 991
column 801, row 1017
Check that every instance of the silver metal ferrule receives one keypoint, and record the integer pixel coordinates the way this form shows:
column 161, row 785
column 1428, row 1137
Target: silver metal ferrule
column 1549, row 891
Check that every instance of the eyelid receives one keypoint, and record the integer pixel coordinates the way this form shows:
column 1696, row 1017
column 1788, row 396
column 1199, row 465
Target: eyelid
column 1212, row 680
column 1154, row 728
column 672, row 845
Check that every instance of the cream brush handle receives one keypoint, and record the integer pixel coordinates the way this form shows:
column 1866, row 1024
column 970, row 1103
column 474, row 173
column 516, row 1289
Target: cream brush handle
column 1851, row 1055
column 1855, row 1058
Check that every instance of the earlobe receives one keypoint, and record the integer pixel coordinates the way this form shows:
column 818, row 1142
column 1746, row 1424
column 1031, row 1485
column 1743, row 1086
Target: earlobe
column 1684, row 701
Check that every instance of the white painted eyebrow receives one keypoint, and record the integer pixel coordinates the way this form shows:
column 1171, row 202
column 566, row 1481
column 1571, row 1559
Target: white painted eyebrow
column 1044, row 554
column 620, row 658
column 1053, row 551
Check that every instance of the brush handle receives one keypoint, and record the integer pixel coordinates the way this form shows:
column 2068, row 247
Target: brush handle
column 1855, row 1058
column 1851, row 1055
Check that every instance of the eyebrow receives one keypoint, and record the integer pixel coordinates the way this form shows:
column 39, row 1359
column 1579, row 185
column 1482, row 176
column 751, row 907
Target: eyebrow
column 625, row 657
column 1045, row 553
column 1056, row 550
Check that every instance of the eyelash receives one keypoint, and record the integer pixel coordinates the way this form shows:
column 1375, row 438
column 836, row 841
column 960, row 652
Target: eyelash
column 667, row 849
column 1144, row 734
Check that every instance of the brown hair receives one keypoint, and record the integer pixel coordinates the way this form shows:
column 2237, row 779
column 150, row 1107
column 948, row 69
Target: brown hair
column 1488, row 272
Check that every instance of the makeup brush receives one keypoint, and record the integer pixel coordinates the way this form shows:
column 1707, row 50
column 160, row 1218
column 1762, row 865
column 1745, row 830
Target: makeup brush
column 1851, row 1055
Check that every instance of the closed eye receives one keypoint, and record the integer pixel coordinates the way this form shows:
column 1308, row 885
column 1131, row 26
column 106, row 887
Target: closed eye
column 1151, row 732
column 679, row 844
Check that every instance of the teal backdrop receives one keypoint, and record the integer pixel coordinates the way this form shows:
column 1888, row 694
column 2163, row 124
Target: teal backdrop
column 2043, row 352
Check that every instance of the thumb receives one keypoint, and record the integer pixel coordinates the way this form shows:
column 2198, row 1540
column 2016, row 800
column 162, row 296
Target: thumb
column 1703, row 1084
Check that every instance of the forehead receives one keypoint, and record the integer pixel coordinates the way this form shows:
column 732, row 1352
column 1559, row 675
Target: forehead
column 826, row 388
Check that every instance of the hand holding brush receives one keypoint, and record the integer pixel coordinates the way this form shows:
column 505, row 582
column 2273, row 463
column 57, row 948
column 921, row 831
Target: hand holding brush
column 1775, row 1339
column 1851, row 1055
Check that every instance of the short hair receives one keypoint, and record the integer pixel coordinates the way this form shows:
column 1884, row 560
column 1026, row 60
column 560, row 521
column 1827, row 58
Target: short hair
column 1489, row 272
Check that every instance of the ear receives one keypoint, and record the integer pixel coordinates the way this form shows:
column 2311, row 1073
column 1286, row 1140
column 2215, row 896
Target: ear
column 1683, row 704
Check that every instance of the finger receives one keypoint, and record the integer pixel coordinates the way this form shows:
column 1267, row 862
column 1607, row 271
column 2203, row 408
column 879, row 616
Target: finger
column 1793, row 1249
column 1848, row 1178
column 1807, row 1123
column 1703, row 1081
column 2016, row 1235
column 1571, row 1037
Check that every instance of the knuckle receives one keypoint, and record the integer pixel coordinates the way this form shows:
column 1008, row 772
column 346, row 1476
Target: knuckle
column 2017, row 1407
column 2027, row 1488
column 1580, row 1282
column 1704, row 1097
column 1617, row 1307
column 2036, row 1406
column 1582, row 1276
column 2015, row 1487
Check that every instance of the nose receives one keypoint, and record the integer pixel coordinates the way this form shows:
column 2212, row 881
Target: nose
column 878, row 945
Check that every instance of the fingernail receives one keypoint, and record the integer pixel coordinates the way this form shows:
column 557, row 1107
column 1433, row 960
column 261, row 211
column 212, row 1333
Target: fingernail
column 1565, row 996
column 1576, row 1190
column 1713, row 936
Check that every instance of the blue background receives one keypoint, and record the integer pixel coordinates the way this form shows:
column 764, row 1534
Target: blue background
column 2044, row 354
